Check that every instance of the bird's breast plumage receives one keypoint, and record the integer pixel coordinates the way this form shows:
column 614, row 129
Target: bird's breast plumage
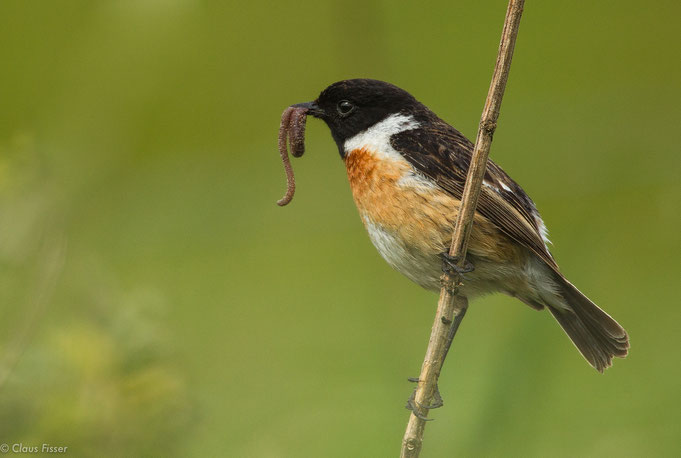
column 392, row 203
column 410, row 220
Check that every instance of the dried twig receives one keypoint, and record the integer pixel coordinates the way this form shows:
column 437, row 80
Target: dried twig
column 452, row 307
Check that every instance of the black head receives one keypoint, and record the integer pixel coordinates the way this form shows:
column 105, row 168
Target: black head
column 348, row 107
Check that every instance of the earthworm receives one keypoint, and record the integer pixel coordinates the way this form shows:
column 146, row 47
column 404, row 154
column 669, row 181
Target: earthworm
column 292, row 128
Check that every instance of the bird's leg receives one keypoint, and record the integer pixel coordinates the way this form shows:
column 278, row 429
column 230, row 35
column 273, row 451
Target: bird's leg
column 412, row 403
column 450, row 264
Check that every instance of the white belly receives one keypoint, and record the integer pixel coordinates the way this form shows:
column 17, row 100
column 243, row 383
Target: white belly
column 425, row 268
column 421, row 268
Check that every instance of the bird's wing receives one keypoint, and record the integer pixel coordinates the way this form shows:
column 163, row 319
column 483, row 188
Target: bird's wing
column 443, row 154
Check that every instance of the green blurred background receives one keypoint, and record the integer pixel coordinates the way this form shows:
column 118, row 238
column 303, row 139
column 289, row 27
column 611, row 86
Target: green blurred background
column 155, row 301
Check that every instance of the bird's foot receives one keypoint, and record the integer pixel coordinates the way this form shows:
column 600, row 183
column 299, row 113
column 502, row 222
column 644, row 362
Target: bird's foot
column 416, row 407
column 450, row 264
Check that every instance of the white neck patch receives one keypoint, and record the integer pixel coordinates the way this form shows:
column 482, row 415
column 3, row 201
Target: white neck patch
column 377, row 137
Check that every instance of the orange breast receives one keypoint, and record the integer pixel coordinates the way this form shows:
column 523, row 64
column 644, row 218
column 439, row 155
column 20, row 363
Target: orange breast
column 390, row 195
column 374, row 184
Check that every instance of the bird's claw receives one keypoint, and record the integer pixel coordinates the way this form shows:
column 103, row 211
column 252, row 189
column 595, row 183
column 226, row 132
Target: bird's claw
column 416, row 407
column 450, row 264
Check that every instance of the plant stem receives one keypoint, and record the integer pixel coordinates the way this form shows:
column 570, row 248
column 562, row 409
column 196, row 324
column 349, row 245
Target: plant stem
column 451, row 306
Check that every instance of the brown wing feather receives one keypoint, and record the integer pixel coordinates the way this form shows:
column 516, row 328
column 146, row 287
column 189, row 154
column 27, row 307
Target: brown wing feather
column 443, row 154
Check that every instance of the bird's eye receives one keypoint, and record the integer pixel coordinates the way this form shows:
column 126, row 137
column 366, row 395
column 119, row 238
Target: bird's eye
column 345, row 107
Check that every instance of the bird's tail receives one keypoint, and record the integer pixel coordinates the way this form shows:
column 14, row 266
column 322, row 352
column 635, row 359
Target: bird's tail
column 595, row 333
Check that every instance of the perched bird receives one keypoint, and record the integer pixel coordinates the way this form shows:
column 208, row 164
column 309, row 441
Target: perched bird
column 407, row 169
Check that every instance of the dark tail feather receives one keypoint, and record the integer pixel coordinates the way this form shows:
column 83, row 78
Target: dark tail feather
column 595, row 333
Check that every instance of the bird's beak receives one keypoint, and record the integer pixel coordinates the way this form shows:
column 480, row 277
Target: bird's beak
column 311, row 107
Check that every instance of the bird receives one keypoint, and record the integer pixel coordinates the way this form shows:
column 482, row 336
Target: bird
column 407, row 169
